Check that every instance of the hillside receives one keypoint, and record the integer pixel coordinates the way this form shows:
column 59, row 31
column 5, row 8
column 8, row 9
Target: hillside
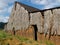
column 2, row 25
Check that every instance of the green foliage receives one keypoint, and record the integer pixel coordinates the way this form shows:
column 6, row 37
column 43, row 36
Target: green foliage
column 22, row 38
column 49, row 42
column 41, row 41
column 26, row 40
column 2, row 25
column 2, row 35
column 36, row 44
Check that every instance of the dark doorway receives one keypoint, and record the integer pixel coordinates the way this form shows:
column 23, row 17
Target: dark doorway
column 35, row 31
column 13, row 31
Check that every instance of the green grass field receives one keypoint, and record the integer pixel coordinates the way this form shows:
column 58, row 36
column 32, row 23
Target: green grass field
column 8, row 39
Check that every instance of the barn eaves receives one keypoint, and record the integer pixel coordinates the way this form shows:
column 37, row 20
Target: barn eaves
column 31, row 9
column 28, row 8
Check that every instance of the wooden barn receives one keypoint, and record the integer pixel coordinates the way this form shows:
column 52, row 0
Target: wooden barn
column 30, row 22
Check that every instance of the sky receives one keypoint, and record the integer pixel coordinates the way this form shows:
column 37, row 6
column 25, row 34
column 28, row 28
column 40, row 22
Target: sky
column 7, row 5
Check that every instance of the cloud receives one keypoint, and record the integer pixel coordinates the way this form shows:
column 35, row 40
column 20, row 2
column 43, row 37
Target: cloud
column 3, row 15
column 10, row 9
column 3, row 18
column 47, row 3
column 5, row 9
column 8, row 1
column 3, row 4
column 58, row 0
column 39, row 2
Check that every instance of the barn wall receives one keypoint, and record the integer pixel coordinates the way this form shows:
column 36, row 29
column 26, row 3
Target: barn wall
column 19, row 18
column 52, row 21
column 16, row 17
column 37, row 19
column 56, row 22
column 48, row 21
column 10, row 21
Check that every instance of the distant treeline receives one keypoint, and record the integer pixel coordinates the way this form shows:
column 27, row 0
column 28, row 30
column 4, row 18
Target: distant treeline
column 2, row 25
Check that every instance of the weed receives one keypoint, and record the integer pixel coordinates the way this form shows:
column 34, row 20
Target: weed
column 7, row 44
column 36, row 44
column 41, row 41
column 21, row 44
column 49, row 43
column 30, row 42
column 22, row 38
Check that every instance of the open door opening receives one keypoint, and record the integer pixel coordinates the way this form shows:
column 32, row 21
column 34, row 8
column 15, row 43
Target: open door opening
column 13, row 31
column 35, row 31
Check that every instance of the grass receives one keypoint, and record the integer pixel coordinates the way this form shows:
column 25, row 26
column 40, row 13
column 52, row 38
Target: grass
column 8, row 39
column 48, row 42
column 4, row 35
column 21, row 38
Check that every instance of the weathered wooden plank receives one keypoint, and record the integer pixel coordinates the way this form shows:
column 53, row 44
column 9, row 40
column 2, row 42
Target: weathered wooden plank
column 56, row 22
column 37, row 19
column 47, row 21
column 21, row 18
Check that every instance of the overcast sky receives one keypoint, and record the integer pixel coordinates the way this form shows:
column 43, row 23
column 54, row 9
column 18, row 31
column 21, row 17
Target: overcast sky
column 6, row 6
